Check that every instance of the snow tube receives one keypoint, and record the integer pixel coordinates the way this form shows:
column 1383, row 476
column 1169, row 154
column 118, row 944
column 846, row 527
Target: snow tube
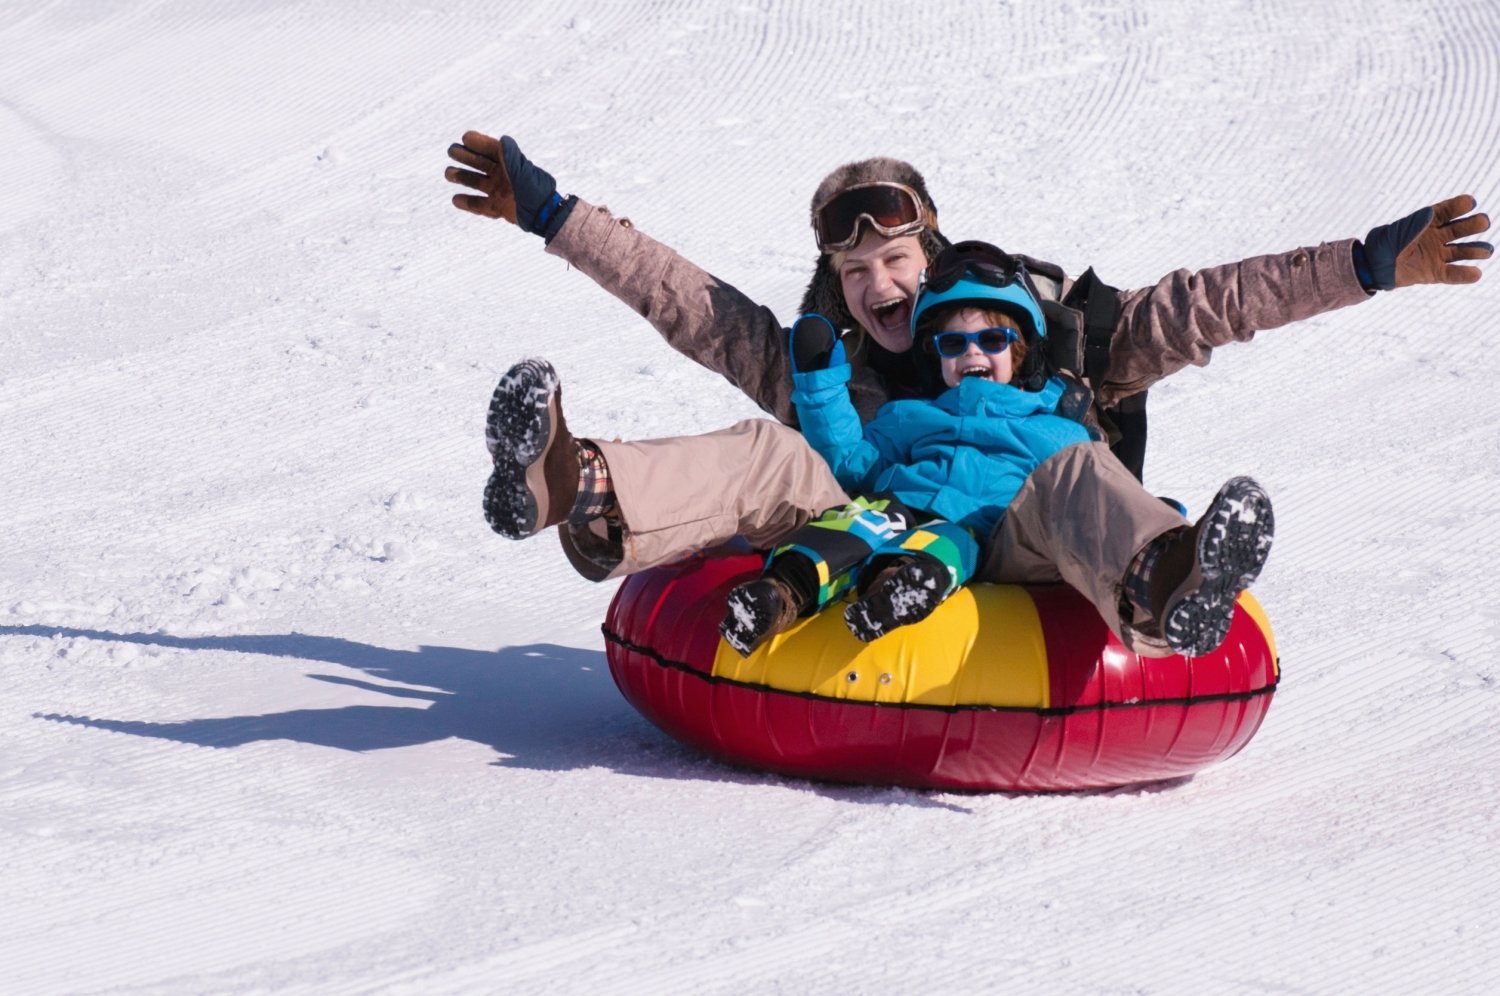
column 1002, row 688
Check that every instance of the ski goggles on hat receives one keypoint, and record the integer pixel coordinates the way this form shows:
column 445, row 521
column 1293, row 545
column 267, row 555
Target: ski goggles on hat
column 890, row 208
column 991, row 340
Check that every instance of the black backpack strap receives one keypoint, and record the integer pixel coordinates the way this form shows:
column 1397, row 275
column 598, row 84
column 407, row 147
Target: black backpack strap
column 1064, row 343
column 1100, row 305
column 1129, row 418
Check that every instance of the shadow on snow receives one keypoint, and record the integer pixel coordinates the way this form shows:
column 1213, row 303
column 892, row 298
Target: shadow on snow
column 544, row 706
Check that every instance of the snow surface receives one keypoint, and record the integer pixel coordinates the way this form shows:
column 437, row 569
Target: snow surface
column 280, row 714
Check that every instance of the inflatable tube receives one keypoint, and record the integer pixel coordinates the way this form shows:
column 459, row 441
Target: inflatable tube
column 1003, row 687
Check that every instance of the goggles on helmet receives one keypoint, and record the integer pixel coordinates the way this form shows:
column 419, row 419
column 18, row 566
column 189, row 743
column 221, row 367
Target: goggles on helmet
column 890, row 208
column 979, row 275
column 992, row 340
column 986, row 263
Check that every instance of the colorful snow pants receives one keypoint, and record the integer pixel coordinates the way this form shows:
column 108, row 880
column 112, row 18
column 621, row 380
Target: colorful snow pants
column 849, row 545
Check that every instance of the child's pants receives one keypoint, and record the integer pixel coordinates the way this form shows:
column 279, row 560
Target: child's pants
column 848, row 546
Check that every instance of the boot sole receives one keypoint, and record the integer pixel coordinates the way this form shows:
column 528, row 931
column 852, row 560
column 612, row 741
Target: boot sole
column 908, row 596
column 1232, row 549
column 519, row 429
column 746, row 619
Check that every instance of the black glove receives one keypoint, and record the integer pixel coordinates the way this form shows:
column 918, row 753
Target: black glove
column 512, row 186
column 814, row 344
column 1424, row 247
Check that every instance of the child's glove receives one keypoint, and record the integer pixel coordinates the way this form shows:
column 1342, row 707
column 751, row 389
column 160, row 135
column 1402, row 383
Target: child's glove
column 512, row 187
column 1423, row 247
column 814, row 344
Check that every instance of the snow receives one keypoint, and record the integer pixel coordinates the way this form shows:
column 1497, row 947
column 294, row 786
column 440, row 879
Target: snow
column 281, row 714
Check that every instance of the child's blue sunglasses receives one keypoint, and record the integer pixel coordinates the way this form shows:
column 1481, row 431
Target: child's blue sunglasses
column 992, row 341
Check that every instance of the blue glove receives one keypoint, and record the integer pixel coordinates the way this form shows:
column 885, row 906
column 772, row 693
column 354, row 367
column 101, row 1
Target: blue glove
column 539, row 208
column 814, row 344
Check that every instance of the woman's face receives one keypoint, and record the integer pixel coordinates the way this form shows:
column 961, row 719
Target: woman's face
column 879, row 278
column 975, row 362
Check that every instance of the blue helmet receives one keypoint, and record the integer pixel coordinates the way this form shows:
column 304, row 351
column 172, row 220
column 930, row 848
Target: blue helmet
column 978, row 275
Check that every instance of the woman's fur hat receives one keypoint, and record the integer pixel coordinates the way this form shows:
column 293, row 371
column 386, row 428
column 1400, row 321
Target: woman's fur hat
column 825, row 294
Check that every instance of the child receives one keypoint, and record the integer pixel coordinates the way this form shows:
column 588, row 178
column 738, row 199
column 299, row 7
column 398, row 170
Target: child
column 963, row 463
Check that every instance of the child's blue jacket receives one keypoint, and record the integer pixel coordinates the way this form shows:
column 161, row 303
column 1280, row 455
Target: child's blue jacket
column 961, row 456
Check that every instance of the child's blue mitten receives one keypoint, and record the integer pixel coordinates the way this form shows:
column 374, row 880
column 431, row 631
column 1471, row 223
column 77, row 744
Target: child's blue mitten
column 814, row 344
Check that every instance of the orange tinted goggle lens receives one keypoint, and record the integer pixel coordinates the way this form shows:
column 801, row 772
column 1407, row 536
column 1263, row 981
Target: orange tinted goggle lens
column 888, row 206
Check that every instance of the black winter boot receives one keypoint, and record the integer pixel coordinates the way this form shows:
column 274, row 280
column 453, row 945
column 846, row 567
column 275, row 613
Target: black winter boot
column 756, row 611
column 906, row 591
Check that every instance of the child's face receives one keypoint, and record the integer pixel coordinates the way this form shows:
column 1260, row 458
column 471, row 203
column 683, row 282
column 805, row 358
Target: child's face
column 975, row 362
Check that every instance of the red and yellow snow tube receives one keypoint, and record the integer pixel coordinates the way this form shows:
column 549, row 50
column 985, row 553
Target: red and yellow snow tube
column 1003, row 687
